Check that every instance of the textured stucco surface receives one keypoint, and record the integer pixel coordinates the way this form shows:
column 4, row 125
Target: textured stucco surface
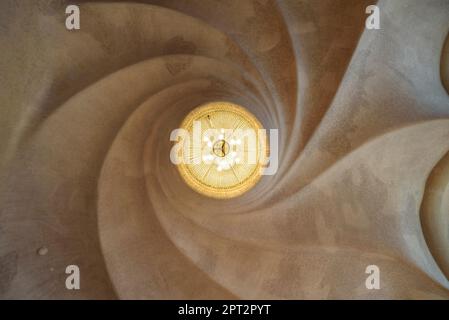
column 363, row 178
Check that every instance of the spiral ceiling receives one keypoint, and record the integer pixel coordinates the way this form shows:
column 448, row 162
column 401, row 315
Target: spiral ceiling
column 86, row 177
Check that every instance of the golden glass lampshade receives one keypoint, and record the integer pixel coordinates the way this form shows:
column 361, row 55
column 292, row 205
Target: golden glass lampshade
column 228, row 155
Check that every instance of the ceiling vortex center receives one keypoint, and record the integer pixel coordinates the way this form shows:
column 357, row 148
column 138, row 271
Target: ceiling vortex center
column 221, row 151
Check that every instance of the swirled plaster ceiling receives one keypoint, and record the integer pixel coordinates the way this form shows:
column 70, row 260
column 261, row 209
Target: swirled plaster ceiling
column 86, row 179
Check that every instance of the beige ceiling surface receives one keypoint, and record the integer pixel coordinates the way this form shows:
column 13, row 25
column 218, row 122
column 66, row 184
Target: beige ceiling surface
column 363, row 119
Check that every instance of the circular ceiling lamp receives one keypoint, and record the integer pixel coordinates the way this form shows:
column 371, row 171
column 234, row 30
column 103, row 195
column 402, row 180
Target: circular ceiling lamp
column 224, row 150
